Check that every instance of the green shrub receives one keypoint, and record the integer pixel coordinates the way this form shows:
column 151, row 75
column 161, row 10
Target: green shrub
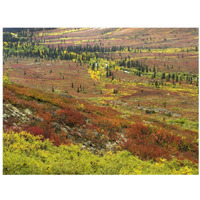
column 24, row 153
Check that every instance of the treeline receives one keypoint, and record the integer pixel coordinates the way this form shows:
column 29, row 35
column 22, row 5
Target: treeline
column 11, row 37
column 20, row 34
column 18, row 30
column 128, row 63
column 99, row 47
column 95, row 48
column 32, row 50
column 178, row 78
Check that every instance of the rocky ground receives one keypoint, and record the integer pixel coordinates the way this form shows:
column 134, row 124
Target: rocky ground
column 17, row 117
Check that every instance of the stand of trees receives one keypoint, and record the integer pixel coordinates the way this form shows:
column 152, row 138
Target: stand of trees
column 133, row 64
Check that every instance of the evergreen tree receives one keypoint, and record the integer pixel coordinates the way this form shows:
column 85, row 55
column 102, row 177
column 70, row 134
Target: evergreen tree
column 191, row 80
column 177, row 78
column 147, row 70
column 163, row 75
column 173, row 76
column 168, row 78
column 107, row 74
column 154, row 69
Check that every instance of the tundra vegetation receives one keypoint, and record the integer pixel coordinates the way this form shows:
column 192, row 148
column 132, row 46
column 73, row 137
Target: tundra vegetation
column 100, row 101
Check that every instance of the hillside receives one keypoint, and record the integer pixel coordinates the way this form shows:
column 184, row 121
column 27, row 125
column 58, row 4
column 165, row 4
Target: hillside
column 112, row 95
column 133, row 37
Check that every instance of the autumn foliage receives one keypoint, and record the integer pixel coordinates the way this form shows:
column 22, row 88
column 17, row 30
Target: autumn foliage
column 103, row 125
column 70, row 117
column 151, row 143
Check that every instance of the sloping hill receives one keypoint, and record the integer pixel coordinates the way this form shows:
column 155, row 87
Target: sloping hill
column 133, row 37
column 104, row 90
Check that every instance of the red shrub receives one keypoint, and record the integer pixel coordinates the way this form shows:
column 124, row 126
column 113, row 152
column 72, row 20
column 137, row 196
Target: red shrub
column 150, row 143
column 35, row 130
column 55, row 139
column 63, row 138
column 138, row 131
column 147, row 151
column 47, row 116
column 70, row 117
column 163, row 138
column 147, row 143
